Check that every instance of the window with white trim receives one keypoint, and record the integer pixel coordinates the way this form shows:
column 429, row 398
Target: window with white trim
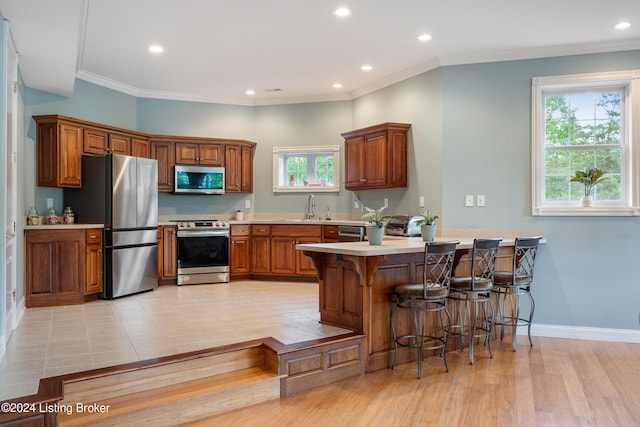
column 580, row 122
column 306, row 169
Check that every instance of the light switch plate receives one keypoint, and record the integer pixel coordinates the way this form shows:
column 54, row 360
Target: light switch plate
column 386, row 202
column 468, row 200
column 421, row 203
column 247, row 204
column 480, row 200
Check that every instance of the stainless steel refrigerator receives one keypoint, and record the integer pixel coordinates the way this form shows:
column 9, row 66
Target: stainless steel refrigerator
column 121, row 192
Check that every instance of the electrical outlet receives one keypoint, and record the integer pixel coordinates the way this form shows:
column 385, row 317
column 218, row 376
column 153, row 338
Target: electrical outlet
column 386, row 202
column 356, row 204
column 421, row 202
column 480, row 200
column 247, row 204
column 49, row 203
column 468, row 200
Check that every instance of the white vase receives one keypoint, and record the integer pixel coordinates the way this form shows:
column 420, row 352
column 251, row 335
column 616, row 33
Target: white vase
column 587, row 201
column 375, row 235
column 428, row 232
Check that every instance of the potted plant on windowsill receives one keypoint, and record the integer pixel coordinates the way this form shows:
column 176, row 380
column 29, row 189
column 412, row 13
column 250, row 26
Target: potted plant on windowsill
column 375, row 228
column 589, row 178
column 428, row 226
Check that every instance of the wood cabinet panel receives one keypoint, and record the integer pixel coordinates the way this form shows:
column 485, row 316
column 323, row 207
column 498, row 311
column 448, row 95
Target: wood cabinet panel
column 119, row 144
column 330, row 234
column 304, row 264
column 163, row 152
column 94, row 262
column 54, row 267
column 140, row 147
column 260, row 254
column 96, row 141
column 283, row 255
column 233, row 166
column 169, row 260
column 191, row 153
column 246, row 179
column 211, row 154
column 240, row 255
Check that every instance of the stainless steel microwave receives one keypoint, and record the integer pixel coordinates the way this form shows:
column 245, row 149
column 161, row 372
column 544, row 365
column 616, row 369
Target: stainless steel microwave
column 199, row 180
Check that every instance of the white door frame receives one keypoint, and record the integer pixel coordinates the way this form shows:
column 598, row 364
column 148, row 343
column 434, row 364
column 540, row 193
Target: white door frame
column 8, row 182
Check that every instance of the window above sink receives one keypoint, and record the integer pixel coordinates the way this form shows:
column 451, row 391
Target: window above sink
column 305, row 169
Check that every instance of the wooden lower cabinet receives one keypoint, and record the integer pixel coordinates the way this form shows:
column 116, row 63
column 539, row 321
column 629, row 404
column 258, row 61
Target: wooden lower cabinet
column 240, row 251
column 273, row 250
column 62, row 267
column 168, row 253
column 94, row 265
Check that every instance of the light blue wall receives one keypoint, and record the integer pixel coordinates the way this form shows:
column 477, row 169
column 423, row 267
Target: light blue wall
column 586, row 274
column 470, row 134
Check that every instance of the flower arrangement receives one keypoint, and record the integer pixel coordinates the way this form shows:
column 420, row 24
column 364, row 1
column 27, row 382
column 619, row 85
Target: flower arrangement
column 375, row 216
column 428, row 218
column 589, row 178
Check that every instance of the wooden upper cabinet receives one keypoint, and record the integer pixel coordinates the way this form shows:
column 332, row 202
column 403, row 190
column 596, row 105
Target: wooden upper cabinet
column 233, row 168
column 140, row 147
column 238, row 161
column 58, row 153
column 96, row 141
column 62, row 141
column 163, row 152
column 191, row 153
column 119, row 144
column 376, row 157
column 246, row 176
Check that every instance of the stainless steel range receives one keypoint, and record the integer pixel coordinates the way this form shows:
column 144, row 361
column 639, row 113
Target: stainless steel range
column 203, row 252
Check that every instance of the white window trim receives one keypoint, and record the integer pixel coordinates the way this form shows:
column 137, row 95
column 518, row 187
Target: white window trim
column 277, row 151
column 631, row 205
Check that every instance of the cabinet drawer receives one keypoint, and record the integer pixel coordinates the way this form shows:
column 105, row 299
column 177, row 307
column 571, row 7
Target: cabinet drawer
column 240, row 230
column 330, row 232
column 297, row 230
column 260, row 230
column 94, row 236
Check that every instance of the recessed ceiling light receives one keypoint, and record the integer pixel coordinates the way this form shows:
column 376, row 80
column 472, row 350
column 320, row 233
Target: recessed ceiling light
column 337, row 85
column 342, row 11
column 622, row 26
column 154, row 48
column 366, row 68
column 424, row 37
column 250, row 92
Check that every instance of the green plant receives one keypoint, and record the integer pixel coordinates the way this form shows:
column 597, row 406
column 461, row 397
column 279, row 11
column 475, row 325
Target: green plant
column 375, row 216
column 589, row 178
column 428, row 218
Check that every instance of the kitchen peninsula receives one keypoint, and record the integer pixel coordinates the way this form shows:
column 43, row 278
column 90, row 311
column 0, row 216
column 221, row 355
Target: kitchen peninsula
column 356, row 281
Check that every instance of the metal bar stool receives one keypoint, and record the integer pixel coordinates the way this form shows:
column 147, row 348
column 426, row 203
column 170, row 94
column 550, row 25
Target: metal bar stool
column 427, row 297
column 474, row 292
column 509, row 285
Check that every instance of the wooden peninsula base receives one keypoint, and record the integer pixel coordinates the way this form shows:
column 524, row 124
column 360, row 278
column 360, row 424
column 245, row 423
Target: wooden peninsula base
column 356, row 283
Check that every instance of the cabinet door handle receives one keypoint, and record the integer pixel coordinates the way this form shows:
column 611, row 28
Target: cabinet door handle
column 363, row 180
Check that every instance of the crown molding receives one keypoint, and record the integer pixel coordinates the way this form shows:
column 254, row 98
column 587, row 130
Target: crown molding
column 431, row 64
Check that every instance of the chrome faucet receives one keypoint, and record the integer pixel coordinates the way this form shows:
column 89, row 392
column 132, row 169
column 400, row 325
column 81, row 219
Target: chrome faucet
column 311, row 203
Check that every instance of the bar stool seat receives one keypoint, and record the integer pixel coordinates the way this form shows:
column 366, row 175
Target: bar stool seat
column 420, row 299
column 474, row 292
column 509, row 285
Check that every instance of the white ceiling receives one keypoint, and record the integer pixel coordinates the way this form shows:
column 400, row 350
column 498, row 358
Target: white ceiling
column 215, row 50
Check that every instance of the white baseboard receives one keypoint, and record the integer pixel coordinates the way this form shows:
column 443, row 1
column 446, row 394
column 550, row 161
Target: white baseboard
column 583, row 333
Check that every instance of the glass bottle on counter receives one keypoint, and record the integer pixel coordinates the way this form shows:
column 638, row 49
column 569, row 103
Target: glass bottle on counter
column 52, row 218
column 68, row 217
column 33, row 218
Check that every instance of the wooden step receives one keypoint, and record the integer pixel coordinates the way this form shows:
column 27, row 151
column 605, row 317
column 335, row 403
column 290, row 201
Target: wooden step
column 156, row 376
column 181, row 402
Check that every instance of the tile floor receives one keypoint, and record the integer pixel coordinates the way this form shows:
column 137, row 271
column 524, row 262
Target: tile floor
column 172, row 319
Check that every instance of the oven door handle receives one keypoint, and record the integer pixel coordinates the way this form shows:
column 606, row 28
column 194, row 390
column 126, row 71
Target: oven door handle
column 203, row 233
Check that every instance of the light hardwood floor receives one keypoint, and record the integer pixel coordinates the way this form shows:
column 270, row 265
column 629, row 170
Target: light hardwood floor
column 558, row 382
